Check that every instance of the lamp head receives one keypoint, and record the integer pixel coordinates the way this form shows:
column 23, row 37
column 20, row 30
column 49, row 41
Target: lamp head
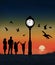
column 29, row 22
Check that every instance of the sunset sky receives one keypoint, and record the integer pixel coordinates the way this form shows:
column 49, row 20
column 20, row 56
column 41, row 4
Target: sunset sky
column 43, row 12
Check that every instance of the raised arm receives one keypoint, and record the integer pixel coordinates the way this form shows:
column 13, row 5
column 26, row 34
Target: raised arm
column 18, row 42
column 21, row 43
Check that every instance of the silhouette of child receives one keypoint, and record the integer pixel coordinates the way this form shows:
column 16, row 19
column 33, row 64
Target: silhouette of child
column 4, row 45
column 23, row 47
column 16, row 47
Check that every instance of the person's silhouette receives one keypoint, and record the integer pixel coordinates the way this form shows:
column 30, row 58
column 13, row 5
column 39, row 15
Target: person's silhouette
column 23, row 47
column 4, row 45
column 10, row 44
column 16, row 47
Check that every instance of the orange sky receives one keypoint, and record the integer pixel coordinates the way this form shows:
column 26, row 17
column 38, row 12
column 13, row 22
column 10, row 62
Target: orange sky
column 17, row 11
column 49, row 46
column 37, row 37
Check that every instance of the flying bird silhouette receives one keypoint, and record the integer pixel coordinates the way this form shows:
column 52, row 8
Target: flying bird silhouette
column 17, row 29
column 50, row 27
column 6, row 28
column 23, row 34
column 45, row 27
column 38, row 25
column 11, row 22
column 47, row 35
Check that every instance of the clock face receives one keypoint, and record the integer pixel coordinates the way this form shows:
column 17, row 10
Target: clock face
column 30, row 22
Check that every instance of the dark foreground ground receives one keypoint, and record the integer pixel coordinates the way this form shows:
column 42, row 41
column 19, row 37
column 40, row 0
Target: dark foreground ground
column 48, row 59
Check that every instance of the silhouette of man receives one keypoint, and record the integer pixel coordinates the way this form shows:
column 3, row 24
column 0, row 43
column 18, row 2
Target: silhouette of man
column 23, row 47
column 16, row 47
column 10, row 44
column 4, row 45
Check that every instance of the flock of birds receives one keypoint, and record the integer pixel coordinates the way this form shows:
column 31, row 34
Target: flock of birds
column 11, row 22
column 47, row 36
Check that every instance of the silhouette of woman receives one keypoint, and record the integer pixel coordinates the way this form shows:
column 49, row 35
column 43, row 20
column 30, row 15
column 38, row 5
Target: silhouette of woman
column 4, row 45
column 23, row 47
column 16, row 47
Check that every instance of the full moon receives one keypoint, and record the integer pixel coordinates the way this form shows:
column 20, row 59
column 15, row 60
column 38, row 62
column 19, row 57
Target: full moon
column 41, row 47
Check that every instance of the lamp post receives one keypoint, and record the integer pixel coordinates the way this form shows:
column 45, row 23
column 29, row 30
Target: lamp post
column 29, row 23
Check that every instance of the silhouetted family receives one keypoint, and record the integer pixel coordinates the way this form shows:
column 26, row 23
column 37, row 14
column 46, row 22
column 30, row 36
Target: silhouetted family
column 10, row 46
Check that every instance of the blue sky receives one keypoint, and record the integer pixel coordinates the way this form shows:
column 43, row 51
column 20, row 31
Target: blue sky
column 22, row 8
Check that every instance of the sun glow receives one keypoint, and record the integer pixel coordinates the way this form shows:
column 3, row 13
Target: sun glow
column 42, row 48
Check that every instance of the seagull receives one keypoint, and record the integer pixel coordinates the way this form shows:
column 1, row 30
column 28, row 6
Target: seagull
column 11, row 22
column 50, row 27
column 47, row 35
column 17, row 29
column 23, row 34
column 38, row 25
column 6, row 28
column 45, row 27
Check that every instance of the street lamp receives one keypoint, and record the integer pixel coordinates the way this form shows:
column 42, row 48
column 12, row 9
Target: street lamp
column 29, row 23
